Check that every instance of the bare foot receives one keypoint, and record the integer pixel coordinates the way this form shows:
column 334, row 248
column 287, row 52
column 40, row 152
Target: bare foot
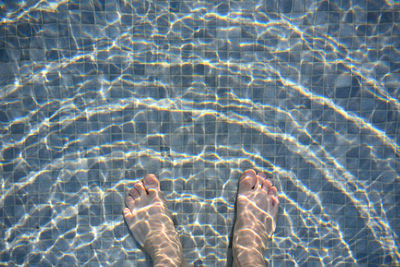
column 257, row 210
column 150, row 222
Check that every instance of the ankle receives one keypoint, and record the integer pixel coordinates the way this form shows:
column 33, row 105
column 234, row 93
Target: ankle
column 248, row 249
column 165, row 261
column 250, row 262
column 165, row 252
column 168, row 257
column 248, row 257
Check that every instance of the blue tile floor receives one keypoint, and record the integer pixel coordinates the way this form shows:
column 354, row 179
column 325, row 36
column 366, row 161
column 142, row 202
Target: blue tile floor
column 95, row 94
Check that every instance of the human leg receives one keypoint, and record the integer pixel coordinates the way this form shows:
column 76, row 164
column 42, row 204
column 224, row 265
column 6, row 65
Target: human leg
column 150, row 222
column 257, row 210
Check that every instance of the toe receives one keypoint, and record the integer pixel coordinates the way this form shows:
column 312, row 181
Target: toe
column 267, row 184
column 134, row 193
column 275, row 207
column 140, row 189
column 260, row 178
column 275, row 201
column 262, row 175
column 130, row 202
column 272, row 190
column 250, row 172
column 151, row 183
column 247, row 181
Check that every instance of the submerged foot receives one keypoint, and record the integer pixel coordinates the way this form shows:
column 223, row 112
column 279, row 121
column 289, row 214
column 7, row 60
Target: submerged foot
column 257, row 210
column 150, row 222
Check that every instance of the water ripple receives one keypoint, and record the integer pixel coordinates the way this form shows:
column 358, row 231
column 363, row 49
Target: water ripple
column 96, row 94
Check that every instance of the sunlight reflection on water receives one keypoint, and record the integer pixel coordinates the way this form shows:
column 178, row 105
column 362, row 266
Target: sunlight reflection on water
column 94, row 95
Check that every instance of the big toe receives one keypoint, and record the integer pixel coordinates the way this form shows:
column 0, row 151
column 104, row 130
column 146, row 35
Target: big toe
column 247, row 181
column 140, row 189
column 151, row 183
column 134, row 193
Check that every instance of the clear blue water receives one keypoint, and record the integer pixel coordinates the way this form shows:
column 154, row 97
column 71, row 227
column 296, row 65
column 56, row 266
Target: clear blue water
column 94, row 94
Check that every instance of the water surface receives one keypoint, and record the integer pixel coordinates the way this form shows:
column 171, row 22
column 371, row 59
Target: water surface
column 94, row 94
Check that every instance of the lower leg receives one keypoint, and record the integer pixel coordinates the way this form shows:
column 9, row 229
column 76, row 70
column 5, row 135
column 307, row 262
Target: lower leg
column 247, row 253
column 165, row 249
column 257, row 209
column 150, row 222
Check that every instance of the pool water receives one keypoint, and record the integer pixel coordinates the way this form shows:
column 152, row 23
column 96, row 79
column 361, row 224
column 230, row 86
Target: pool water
column 95, row 94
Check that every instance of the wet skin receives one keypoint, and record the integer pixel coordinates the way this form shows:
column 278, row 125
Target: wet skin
column 149, row 220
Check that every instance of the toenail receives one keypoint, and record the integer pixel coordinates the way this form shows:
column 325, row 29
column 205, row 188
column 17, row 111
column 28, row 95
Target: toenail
column 151, row 181
column 250, row 171
column 263, row 175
